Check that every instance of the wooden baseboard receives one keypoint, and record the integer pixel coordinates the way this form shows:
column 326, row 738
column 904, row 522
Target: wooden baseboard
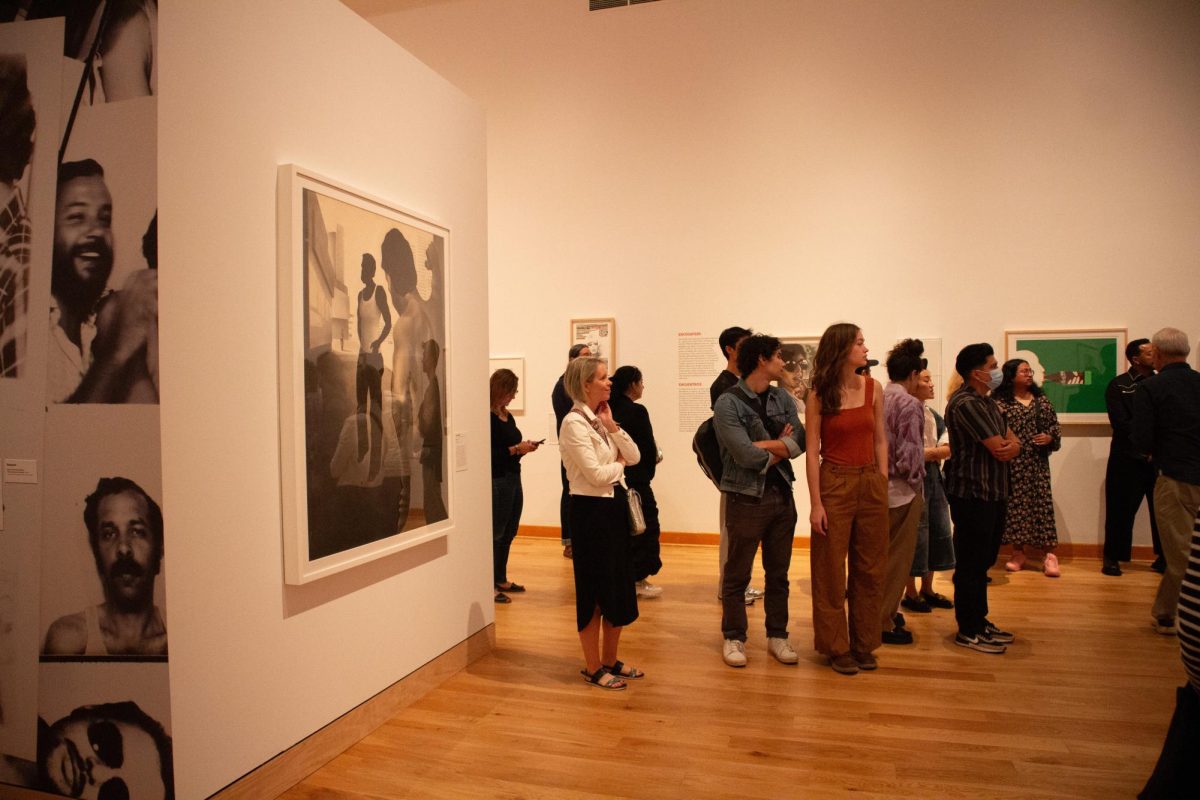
column 310, row 754
column 1064, row 549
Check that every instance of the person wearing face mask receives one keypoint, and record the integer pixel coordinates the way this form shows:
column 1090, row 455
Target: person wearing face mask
column 977, row 486
column 1029, row 513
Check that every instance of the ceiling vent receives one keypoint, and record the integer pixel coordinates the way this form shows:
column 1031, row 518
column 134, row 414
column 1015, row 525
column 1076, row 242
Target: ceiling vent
column 600, row 5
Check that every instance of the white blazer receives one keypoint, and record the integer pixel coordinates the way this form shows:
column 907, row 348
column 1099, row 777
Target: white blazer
column 590, row 461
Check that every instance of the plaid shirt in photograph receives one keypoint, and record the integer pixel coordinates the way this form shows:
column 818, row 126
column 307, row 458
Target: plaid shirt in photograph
column 972, row 470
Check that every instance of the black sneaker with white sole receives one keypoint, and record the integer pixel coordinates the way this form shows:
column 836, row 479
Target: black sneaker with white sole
column 993, row 633
column 979, row 644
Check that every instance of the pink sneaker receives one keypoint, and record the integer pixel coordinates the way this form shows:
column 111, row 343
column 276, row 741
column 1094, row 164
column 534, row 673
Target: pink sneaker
column 1017, row 562
column 1050, row 565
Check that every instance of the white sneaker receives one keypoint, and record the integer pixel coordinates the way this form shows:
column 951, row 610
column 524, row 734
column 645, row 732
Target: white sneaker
column 735, row 653
column 648, row 589
column 752, row 593
column 782, row 650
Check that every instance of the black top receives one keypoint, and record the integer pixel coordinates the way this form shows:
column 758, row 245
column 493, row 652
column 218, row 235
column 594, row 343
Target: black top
column 504, row 436
column 635, row 419
column 1118, row 398
column 725, row 381
column 560, row 402
column 1166, row 421
column 972, row 470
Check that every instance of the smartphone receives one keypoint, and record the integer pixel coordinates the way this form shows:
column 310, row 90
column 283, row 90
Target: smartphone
column 540, row 441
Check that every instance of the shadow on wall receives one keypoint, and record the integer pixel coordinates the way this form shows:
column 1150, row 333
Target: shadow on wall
column 1075, row 461
column 298, row 599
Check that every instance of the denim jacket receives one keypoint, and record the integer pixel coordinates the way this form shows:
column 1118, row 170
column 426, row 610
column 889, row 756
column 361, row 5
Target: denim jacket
column 738, row 426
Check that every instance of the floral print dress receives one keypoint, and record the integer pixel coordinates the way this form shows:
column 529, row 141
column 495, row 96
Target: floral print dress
column 1029, row 516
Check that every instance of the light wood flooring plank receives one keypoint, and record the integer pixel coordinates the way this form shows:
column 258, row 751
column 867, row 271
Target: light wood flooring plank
column 1076, row 709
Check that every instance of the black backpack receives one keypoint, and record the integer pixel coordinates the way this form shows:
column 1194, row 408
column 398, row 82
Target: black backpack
column 708, row 449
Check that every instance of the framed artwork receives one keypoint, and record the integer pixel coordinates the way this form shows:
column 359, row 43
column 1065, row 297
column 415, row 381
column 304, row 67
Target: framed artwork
column 600, row 335
column 1073, row 367
column 363, row 353
column 517, row 365
column 799, row 357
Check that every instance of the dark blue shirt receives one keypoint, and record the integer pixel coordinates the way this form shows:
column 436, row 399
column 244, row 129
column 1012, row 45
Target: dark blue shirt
column 1166, row 421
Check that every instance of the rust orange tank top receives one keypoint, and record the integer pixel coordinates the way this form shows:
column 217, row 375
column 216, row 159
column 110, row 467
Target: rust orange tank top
column 848, row 437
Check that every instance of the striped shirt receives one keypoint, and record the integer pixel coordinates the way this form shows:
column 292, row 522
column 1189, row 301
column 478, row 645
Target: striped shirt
column 972, row 470
column 1188, row 621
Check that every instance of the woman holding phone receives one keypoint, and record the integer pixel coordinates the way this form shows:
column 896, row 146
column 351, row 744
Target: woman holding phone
column 595, row 451
column 508, row 448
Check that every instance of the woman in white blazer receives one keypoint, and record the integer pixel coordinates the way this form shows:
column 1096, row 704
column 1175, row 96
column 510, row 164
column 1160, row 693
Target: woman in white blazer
column 594, row 453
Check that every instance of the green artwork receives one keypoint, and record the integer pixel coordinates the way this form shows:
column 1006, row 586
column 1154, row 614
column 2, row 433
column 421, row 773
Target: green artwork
column 1073, row 372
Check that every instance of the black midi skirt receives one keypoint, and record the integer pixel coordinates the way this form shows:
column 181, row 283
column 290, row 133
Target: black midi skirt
column 603, row 571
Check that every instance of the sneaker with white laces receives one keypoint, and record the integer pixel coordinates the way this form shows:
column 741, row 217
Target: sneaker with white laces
column 979, row 644
column 994, row 634
column 752, row 593
column 734, row 653
column 782, row 650
column 647, row 589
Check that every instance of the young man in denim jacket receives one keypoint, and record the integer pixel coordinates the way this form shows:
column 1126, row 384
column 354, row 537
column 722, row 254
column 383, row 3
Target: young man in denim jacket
column 759, row 430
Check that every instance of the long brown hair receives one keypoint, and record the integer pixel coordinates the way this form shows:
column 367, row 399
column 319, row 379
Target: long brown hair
column 502, row 382
column 831, row 354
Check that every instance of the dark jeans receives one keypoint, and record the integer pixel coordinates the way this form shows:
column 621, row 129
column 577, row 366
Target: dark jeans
column 644, row 550
column 369, row 394
column 564, row 506
column 507, row 501
column 1126, row 481
column 770, row 520
column 1177, row 773
column 978, row 525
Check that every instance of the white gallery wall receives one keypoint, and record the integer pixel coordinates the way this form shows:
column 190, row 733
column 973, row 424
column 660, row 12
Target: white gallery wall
column 934, row 168
column 256, row 665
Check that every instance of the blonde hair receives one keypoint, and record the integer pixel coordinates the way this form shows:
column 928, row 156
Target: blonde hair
column 578, row 373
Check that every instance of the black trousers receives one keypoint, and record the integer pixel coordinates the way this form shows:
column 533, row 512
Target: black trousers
column 978, row 525
column 1177, row 773
column 564, row 508
column 1126, row 482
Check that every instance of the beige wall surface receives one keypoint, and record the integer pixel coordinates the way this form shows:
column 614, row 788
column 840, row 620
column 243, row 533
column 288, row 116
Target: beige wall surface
column 938, row 169
column 257, row 665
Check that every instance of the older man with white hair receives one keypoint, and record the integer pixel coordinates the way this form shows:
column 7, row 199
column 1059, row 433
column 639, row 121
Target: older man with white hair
column 1166, row 429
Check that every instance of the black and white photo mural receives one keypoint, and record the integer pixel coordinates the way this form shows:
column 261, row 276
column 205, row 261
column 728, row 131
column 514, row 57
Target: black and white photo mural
column 84, row 684
column 363, row 295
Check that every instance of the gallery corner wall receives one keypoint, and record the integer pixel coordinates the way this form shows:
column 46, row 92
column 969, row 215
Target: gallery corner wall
column 933, row 169
column 256, row 665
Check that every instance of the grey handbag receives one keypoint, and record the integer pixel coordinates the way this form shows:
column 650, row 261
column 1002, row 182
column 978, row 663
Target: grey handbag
column 637, row 520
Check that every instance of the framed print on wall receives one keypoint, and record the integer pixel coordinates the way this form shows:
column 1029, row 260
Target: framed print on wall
column 600, row 335
column 363, row 400
column 517, row 365
column 1073, row 367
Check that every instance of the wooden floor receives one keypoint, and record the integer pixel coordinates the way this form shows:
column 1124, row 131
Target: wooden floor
column 1077, row 708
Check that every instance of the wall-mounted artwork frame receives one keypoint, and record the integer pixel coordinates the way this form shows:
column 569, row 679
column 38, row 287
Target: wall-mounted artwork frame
column 517, row 365
column 363, row 354
column 1073, row 367
column 600, row 335
column 799, row 358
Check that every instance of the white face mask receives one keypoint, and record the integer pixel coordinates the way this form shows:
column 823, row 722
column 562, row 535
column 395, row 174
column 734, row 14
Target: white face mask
column 995, row 378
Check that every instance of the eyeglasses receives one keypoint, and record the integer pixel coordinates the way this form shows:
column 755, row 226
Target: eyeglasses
column 109, row 747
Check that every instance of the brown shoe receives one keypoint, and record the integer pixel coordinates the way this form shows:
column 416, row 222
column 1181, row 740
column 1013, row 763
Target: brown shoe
column 866, row 661
column 845, row 664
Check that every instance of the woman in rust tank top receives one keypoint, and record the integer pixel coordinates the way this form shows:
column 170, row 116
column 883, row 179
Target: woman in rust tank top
column 847, row 485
